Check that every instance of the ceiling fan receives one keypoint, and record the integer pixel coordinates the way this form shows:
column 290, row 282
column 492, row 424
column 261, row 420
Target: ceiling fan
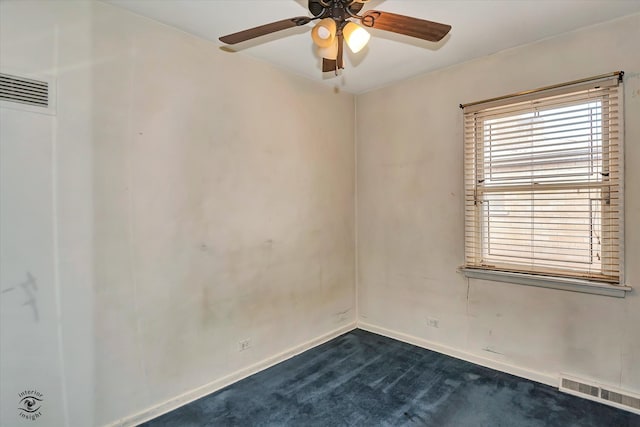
column 336, row 26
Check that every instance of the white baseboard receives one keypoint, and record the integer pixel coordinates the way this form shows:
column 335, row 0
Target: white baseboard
column 541, row 377
column 190, row 396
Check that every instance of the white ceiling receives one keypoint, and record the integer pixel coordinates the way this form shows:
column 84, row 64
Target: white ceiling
column 480, row 27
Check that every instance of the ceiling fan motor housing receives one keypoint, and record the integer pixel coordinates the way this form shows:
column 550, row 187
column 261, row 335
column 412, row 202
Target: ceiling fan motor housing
column 315, row 8
column 336, row 9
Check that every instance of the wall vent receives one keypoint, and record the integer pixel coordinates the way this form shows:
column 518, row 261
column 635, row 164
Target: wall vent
column 24, row 91
column 580, row 387
column 600, row 393
column 27, row 92
column 620, row 398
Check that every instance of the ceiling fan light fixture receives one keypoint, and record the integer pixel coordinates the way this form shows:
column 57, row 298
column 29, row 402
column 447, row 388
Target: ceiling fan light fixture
column 324, row 33
column 336, row 26
column 355, row 36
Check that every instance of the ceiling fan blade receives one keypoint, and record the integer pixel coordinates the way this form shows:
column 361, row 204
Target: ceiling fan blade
column 414, row 27
column 329, row 65
column 340, row 59
column 263, row 30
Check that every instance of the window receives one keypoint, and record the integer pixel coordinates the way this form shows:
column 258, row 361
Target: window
column 543, row 182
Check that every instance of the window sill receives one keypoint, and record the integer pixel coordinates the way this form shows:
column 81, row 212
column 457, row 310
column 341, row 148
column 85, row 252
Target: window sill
column 562, row 283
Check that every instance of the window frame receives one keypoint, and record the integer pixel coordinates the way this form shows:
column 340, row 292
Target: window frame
column 505, row 272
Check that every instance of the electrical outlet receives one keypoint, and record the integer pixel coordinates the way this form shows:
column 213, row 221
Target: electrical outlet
column 244, row 344
column 433, row 322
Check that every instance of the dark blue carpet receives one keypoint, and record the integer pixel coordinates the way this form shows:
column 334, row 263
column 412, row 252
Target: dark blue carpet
column 364, row 379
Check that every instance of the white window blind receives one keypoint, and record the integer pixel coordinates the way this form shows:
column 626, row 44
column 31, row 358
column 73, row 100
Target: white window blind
column 543, row 182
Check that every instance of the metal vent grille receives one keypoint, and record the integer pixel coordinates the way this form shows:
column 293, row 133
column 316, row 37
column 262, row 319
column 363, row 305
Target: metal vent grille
column 621, row 399
column 24, row 91
column 580, row 387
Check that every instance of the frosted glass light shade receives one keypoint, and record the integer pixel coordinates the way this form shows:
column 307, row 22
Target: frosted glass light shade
column 324, row 32
column 330, row 52
column 355, row 36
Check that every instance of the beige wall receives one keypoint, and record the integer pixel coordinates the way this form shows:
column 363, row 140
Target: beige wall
column 187, row 200
column 410, row 220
